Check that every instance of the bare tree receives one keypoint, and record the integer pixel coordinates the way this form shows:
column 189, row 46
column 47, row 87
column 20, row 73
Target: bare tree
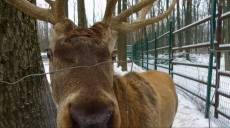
column 122, row 39
column 28, row 103
column 227, row 38
column 82, row 22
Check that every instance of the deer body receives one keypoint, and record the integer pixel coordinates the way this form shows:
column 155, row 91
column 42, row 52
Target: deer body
column 91, row 92
column 90, row 95
column 152, row 99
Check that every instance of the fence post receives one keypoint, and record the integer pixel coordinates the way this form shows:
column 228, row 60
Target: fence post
column 212, row 29
column 133, row 55
column 147, row 52
column 170, row 45
column 218, row 56
column 173, row 45
column 155, row 56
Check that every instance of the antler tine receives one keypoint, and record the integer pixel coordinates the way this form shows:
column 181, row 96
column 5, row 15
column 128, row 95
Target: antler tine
column 109, row 11
column 144, row 12
column 126, row 27
column 137, row 7
column 60, row 9
column 53, row 15
column 32, row 10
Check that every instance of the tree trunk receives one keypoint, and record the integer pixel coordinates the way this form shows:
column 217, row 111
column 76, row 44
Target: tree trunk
column 82, row 22
column 122, row 41
column 28, row 103
column 66, row 9
column 188, row 20
column 227, row 38
column 167, row 7
column 43, row 35
column 179, row 25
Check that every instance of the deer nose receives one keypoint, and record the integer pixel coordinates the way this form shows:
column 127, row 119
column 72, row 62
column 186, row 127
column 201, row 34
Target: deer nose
column 84, row 119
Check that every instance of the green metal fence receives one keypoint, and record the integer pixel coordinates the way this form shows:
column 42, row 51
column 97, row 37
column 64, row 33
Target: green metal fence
column 201, row 77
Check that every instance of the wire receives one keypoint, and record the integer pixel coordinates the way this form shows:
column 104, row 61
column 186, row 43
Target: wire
column 11, row 83
column 60, row 70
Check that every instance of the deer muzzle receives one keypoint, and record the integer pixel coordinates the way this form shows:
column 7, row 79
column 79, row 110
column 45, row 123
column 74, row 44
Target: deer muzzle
column 93, row 119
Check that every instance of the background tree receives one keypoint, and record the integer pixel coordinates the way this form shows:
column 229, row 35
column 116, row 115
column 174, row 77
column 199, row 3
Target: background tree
column 82, row 22
column 66, row 8
column 43, row 35
column 188, row 20
column 179, row 25
column 27, row 104
column 226, row 37
column 122, row 39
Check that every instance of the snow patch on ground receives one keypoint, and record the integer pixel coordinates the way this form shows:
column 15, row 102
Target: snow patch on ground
column 188, row 115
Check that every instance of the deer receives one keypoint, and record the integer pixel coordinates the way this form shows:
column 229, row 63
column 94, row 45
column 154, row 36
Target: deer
column 93, row 96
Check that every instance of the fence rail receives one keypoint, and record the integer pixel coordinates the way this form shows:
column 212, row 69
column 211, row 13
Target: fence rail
column 210, row 83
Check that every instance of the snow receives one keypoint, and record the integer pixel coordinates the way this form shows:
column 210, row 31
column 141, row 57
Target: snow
column 225, row 15
column 187, row 113
column 46, row 66
column 194, row 45
column 224, row 45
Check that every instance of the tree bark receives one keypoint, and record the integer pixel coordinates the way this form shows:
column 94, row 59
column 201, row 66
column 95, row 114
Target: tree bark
column 122, row 41
column 27, row 104
column 82, row 22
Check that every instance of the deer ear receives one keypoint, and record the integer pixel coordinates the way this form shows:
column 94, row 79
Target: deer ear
column 60, row 30
column 64, row 26
column 112, row 40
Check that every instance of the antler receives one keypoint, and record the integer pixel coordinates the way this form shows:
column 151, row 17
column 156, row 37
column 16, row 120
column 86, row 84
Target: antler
column 116, row 23
column 53, row 15
column 109, row 11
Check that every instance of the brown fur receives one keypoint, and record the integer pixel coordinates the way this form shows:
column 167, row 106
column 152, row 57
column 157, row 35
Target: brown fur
column 152, row 99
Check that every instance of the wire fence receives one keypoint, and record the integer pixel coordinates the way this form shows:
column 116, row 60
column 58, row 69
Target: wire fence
column 189, row 65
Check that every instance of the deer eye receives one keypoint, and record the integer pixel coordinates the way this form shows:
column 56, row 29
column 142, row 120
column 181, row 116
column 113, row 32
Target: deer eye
column 50, row 55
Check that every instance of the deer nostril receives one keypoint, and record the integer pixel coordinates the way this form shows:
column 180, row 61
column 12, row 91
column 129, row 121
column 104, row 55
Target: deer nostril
column 83, row 119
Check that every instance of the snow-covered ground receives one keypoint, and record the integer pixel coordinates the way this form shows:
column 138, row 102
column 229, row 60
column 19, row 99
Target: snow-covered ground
column 187, row 113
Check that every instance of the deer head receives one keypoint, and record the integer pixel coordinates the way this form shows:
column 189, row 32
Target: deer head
column 85, row 96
